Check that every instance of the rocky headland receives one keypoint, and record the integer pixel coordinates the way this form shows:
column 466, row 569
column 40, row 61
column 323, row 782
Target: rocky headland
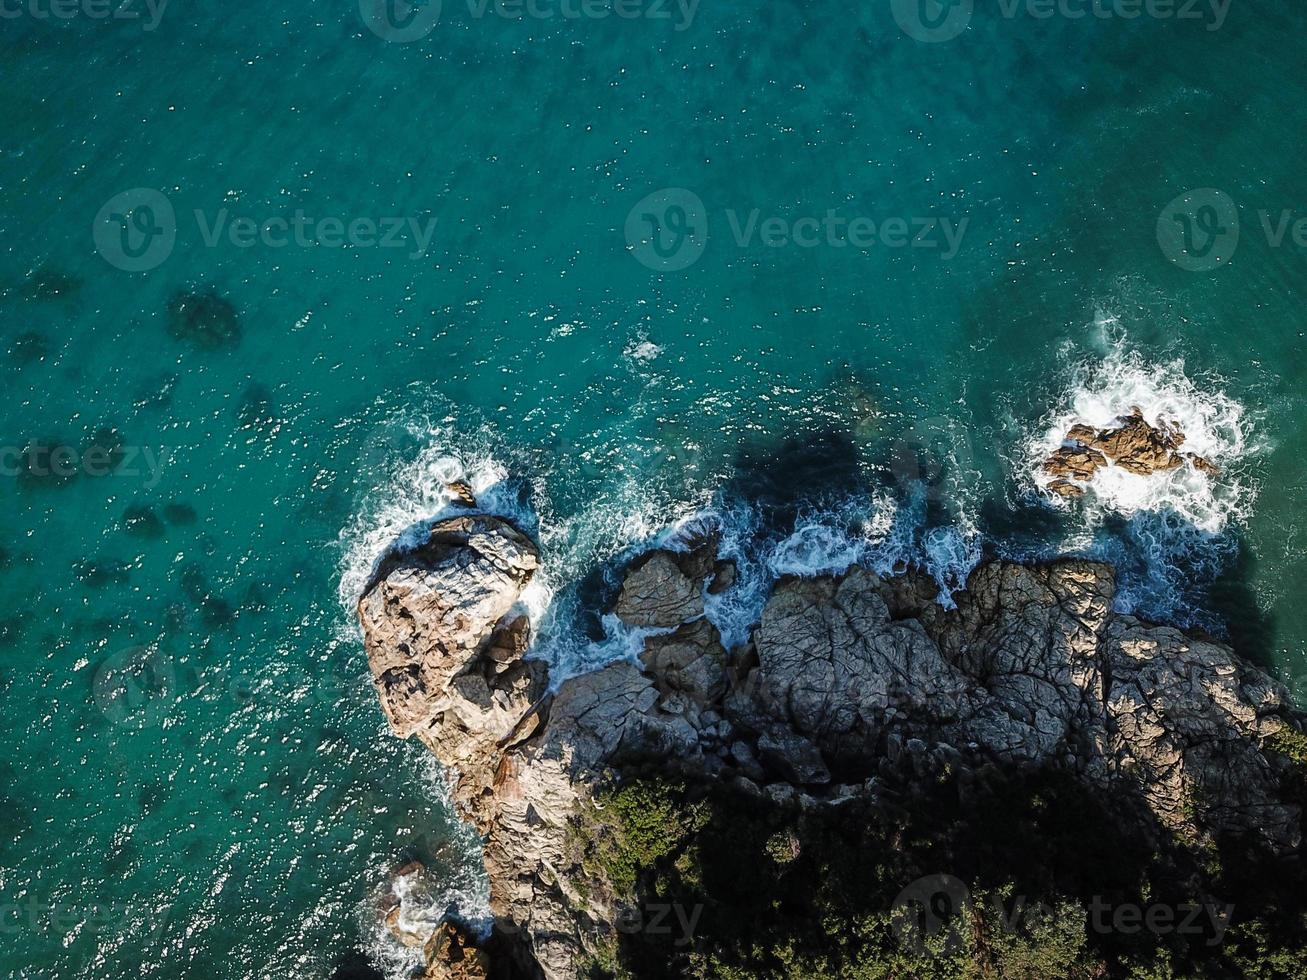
column 769, row 803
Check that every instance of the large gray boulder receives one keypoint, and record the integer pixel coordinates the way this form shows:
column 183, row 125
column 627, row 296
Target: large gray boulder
column 658, row 593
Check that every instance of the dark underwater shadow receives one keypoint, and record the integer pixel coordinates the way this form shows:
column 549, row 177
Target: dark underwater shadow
column 354, row 965
column 783, row 478
column 1251, row 630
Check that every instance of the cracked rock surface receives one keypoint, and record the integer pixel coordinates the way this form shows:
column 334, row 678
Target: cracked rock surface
column 849, row 686
column 1134, row 445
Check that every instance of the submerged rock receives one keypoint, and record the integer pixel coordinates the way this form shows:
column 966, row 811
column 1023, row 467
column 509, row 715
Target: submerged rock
column 99, row 572
column 179, row 514
column 44, row 285
column 355, row 966
column 256, row 409
column 204, row 319
column 29, row 347
column 141, row 521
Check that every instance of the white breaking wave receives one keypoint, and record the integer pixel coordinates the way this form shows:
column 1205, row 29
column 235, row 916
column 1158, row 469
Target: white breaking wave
column 455, row 883
column 397, row 515
column 622, row 520
column 874, row 531
column 1215, row 426
column 618, row 521
column 642, row 350
column 1168, row 534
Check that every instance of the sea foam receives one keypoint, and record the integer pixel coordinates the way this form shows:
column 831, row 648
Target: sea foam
column 1169, row 534
column 1215, row 426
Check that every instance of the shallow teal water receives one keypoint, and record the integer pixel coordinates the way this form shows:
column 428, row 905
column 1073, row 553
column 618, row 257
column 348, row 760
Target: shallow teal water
column 236, row 822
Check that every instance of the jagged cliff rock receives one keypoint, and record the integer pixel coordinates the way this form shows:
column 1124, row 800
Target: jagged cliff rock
column 445, row 643
column 852, row 687
column 1134, row 445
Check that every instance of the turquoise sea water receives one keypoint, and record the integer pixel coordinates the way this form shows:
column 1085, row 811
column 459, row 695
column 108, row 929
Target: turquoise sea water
column 235, row 815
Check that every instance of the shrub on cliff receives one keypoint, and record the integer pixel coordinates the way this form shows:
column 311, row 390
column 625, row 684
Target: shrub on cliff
column 791, row 893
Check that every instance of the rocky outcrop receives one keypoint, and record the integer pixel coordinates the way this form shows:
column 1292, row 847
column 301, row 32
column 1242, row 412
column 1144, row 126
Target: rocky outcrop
column 445, row 642
column 852, row 686
column 659, row 594
column 1135, row 446
column 448, row 950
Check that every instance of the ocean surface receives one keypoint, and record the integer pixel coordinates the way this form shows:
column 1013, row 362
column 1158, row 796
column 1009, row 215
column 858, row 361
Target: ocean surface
column 836, row 275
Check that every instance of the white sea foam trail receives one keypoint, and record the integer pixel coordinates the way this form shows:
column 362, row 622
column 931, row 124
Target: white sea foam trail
column 453, row 880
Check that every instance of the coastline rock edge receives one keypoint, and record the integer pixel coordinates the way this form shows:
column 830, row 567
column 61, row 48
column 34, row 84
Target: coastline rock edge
column 853, row 688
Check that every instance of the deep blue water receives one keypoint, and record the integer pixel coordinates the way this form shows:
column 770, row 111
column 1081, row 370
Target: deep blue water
column 780, row 259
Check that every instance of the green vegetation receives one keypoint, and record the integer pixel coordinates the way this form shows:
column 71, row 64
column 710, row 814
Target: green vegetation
column 1290, row 743
column 640, row 823
column 786, row 893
